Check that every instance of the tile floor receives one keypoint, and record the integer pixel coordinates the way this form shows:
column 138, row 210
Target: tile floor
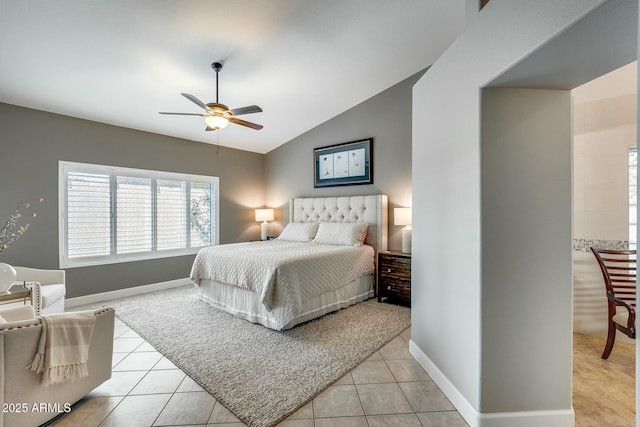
column 388, row 389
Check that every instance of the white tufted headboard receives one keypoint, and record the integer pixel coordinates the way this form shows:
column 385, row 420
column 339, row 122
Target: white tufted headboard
column 370, row 209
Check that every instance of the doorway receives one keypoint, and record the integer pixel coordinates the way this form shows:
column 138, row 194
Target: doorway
column 604, row 213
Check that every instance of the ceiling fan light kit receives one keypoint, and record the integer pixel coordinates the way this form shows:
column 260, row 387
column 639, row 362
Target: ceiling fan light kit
column 217, row 116
column 216, row 122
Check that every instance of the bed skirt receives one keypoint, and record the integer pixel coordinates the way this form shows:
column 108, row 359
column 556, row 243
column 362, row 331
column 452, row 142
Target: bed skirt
column 247, row 305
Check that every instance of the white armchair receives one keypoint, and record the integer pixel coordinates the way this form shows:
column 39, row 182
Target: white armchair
column 47, row 294
column 32, row 403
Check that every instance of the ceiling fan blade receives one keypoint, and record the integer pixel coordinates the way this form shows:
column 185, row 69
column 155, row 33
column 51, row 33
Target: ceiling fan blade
column 245, row 123
column 246, row 110
column 184, row 114
column 209, row 128
column 195, row 100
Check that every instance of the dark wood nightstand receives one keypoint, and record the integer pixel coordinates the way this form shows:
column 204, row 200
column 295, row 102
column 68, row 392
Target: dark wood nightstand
column 394, row 277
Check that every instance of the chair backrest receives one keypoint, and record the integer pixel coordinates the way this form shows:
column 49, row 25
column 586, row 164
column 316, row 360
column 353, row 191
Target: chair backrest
column 619, row 272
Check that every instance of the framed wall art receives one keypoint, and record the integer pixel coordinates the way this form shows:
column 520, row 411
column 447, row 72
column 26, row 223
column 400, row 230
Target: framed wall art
column 349, row 163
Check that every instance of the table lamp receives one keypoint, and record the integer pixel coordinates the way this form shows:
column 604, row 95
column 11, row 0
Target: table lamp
column 264, row 215
column 402, row 216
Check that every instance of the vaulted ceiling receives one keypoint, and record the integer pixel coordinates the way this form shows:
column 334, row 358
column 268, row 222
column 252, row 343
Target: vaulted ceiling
column 120, row 62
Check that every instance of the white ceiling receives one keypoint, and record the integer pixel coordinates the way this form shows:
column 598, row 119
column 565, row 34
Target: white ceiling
column 122, row 61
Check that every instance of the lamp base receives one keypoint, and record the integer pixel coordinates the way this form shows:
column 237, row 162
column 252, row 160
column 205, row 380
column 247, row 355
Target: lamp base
column 264, row 228
column 406, row 240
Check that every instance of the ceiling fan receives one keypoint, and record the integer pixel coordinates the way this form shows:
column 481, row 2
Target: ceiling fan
column 218, row 116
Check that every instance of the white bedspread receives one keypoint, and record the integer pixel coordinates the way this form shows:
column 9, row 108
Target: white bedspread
column 283, row 273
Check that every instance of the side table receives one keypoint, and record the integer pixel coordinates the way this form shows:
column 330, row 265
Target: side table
column 394, row 277
column 17, row 292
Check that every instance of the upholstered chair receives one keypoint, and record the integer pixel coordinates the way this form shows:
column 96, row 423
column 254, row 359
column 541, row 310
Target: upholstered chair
column 33, row 404
column 47, row 288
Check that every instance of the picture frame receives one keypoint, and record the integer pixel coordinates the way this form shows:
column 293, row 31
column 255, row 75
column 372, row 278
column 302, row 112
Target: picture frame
column 348, row 163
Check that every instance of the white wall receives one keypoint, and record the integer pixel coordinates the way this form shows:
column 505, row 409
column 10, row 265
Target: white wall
column 447, row 237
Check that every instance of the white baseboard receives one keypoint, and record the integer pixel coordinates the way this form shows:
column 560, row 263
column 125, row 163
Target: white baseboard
column 455, row 397
column 123, row 293
column 556, row 418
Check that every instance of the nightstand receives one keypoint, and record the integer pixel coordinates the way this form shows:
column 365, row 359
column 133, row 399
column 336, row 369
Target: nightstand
column 394, row 277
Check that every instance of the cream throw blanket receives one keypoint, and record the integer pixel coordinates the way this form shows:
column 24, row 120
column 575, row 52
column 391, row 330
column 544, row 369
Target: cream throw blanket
column 63, row 350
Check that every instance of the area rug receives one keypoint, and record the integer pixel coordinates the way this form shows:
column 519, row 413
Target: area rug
column 260, row 375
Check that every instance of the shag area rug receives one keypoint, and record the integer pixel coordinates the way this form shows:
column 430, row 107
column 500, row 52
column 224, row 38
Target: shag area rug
column 260, row 375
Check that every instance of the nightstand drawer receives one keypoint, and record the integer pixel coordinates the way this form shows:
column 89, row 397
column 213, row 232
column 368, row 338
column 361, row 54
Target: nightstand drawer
column 395, row 266
column 396, row 288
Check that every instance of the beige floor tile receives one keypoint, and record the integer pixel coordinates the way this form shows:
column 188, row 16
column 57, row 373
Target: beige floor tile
column 406, row 335
column 226, row 425
column 293, row 423
column 372, row 372
column 337, row 401
column 138, row 361
column 442, row 419
column 135, row 411
column 425, row 396
column 187, row 408
column 188, row 385
column 347, row 379
column 405, row 370
column 126, row 345
column 396, row 349
column 120, row 384
column 396, row 420
column 380, row 399
column 159, row 382
column 342, row 422
column 118, row 331
column 145, row 346
column 220, row 414
column 130, row 334
column 165, row 363
column 90, row 412
column 375, row 356
column 117, row 358
column 304, row 412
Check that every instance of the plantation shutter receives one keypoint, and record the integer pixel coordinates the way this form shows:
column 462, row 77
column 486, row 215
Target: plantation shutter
column 134, row 206
column 171, row 200
column 88, row 215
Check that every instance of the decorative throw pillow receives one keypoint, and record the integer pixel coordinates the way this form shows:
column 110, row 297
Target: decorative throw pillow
column 3, row 320
column 363, row 237
column 299, row 232
column 340, row 233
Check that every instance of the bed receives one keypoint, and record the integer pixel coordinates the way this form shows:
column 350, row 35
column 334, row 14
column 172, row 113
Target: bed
column 283, row 282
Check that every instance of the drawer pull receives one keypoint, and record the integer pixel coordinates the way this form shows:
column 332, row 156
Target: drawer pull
column 388, row 270
column 388, row 288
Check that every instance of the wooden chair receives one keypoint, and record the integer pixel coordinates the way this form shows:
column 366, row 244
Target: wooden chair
column 619, row 273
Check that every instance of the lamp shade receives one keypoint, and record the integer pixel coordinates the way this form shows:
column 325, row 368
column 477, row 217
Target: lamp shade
column 264, row 214
column 402, row 216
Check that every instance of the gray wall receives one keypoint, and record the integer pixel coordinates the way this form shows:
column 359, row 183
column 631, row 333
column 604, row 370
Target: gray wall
column 526, row 249
column 387, row 118
column 31, row 144
column 449, row 302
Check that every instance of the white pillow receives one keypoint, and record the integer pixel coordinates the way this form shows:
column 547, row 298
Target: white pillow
column 3, row 320
column 340, row 233
column 299, row 232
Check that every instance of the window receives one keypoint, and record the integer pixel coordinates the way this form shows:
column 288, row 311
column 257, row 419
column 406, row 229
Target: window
column 111, row 214
column 633, row 196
